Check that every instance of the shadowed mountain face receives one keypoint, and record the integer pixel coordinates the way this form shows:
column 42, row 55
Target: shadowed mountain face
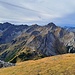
column 9, row 31
column 20, row 43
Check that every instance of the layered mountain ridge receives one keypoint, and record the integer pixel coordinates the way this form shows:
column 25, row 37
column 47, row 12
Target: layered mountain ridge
column 23, row 42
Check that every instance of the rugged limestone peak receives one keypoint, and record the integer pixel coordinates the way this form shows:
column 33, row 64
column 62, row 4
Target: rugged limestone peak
column 7, row 23
column 3, row 26
column 51, row 25
column 10, row 31
column 35, row 25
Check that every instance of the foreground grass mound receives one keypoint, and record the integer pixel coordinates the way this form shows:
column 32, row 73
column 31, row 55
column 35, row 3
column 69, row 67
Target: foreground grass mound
column 55, row 65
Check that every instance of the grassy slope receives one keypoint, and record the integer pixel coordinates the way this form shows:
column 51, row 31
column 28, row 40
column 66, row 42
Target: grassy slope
column 55, row 65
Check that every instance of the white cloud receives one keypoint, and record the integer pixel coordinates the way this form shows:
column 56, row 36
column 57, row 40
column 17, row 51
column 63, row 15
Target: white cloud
column 35, row 11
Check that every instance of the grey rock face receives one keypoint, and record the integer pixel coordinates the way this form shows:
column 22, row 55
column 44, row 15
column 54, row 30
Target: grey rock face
column 6, row 64
column 70, row 37
column 47, row 44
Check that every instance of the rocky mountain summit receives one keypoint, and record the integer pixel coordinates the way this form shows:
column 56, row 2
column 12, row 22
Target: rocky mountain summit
column 23, row 42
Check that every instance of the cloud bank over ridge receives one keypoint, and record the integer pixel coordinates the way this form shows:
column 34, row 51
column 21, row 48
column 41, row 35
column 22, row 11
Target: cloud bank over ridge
column 37, row 11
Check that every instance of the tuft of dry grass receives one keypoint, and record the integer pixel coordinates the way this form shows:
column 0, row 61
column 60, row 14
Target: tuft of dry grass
column 55, row 65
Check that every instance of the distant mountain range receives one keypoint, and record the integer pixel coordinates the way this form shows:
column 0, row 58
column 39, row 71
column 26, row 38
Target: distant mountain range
column 70, row 28
column 23, row 42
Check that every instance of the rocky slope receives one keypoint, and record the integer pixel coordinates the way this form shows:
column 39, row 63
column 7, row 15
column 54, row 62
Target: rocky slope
column 19, row 43
column 9, row 31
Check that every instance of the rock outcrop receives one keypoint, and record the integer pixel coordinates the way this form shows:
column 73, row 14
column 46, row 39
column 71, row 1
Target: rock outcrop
column 5, row 64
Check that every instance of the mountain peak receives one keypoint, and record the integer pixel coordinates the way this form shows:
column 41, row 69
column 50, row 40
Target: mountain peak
column 35, row 25
column 51, row 25
column 7, row 23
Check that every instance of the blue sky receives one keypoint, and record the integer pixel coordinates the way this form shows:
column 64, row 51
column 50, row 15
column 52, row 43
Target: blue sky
column 61, row 12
